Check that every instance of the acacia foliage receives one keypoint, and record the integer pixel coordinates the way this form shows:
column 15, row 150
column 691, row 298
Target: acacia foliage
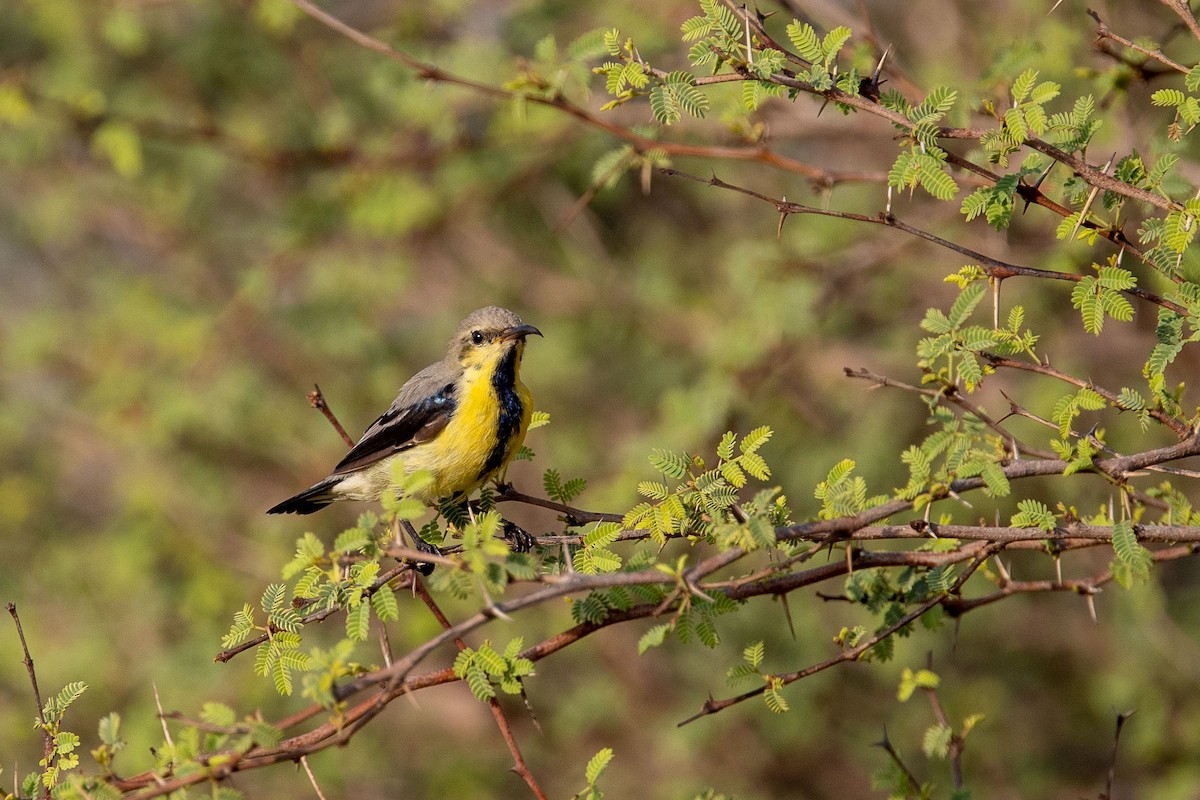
column 712, row 532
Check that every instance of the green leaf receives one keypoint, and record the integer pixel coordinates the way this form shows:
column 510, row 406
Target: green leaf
column 1131, row 555
column 672, row 465
column 755, row 439
column 1033, row 514
column 1168, row 97
column 358, row 622
column 936, row 742
column 695, row 28
column 604, row 534
column 664, row 105
column 121, row 144
column 272, row 599
column 774, row 700
column 839, row 471
column 384, row 602
column 653, row 637
column 965, row 303
column 1023, row 84
column 725, row 448
column 596, row 765
column 110, row 730
column 834, row 41
column 753, row 654
column 692, row 100
column 653, row 490
column 804, row 39
column 218, row 714
column 934, row 178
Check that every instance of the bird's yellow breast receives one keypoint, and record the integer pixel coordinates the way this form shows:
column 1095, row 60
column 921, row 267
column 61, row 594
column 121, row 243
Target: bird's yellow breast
column 458, row 457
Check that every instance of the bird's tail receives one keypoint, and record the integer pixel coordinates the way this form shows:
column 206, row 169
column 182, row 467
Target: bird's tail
column 311, row 499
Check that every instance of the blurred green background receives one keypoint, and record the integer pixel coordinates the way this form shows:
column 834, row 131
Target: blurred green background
column 207, row 206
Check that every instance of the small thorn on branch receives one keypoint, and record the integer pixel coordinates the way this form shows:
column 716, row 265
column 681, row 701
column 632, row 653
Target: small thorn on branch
column 317, row 400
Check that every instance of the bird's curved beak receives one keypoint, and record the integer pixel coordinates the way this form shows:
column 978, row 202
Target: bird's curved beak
column 519, row 332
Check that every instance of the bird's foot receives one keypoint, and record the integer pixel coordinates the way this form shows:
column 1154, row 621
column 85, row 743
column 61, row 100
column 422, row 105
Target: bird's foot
column 423, row 567
column 519, row 539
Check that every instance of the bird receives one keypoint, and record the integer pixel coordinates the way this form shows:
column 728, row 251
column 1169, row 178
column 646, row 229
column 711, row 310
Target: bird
column 461, row 419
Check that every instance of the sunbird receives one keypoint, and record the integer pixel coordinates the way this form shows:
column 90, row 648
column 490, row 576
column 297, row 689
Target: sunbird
column 461, row 419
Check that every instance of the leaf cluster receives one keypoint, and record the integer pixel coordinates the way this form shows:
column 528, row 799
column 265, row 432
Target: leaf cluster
column 484, row 669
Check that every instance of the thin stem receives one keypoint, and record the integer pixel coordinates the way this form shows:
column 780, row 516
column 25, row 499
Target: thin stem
column 47, row 739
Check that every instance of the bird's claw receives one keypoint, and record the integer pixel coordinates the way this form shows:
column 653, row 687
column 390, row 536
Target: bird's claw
column 518, row 538
column 424, row 567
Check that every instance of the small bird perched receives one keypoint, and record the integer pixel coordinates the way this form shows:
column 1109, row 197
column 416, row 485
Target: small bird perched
column 461, row 419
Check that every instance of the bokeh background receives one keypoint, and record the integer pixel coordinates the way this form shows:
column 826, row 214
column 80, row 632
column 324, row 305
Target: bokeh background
column 207, row 206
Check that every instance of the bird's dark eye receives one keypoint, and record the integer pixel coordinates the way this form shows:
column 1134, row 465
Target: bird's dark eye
column 476, row 337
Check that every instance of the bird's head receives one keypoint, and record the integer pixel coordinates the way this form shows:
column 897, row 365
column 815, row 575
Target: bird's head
column 487, row 334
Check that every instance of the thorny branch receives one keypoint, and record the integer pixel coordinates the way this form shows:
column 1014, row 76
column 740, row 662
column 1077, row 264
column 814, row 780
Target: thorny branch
column 975, row 545
column 47, row 739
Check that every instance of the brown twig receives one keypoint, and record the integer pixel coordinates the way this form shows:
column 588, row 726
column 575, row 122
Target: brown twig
column 1179, row 427
column 574, row 516
column 954, row 753
column 47, row 739
column 1181, row 8
column 1122, row 718
column 992, row 267
column 336, row 732
column 317, row 399
column 758, row 153
column 885, row 743
column 519, row 765
column 712, row 706
column 951, row 395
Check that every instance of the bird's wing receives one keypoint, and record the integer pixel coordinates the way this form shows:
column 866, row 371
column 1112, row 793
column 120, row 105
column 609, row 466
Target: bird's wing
column 417, row 415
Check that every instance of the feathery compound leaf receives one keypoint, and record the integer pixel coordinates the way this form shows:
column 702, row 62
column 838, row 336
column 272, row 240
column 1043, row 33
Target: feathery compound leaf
column 934, row 178
column 1130, row 400
column 995, row 479
column 384, row 601
column 731, row 472
column 753, row 654
column 653, row 490
column 672, row 465
column 218, row 714
column 725, row 448
column 805, row 40
column 1023, row 84
column 272, row 598
column 774, row 700
column 756, row 466
column 756, row 439
column 1090, row 400
column 840, row 471
column 358, row 622
column 969, row 371
column 664, row 105
column 604, row 534
column 695, row 28
column 56, row 706
column 935, row 106
column 1131, row 555
column 653, row 637
column 834, row 41
column 351, row 540
column 1084, row 298
column 596, row 764
column 1168, row 97
column 936, row 742
column 965, row 303
column 1033, row 514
